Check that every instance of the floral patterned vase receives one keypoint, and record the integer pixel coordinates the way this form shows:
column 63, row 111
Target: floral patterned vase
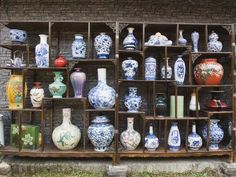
column 179, row 70
column 150, row 68
column 102, row 44
column 37, row 95
column 78, row 47
column 151, row 141
column 174, row 140
column 66, row 136
column 133, row 101
column 78, row 79
column 101, row 133
column 42, row 52
column 130, row 42
column 214, row 45
column 130, row 138
column 57, row 88
column 168, row 73
column 130, row 68
column 194, row 140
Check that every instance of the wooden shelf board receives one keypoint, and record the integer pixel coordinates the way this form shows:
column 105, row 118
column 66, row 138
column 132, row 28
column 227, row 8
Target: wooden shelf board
column 213, row 53
column 173, row 118
column 219, row 112
column 48, row 68
column 224, row 85
column 24, row 109
column 125, row 112
column 100, row 110
column 92, row 60
column 125, row 80
column 130, row 51
column 11, row 68
column 16, row 46
column 66, row 98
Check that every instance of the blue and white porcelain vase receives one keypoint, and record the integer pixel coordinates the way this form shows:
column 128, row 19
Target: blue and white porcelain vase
column 179, row 70
column 214, row 45
column 194, row 140
column 78, row 47
column 102, row 44
column 195, row 39
column 17, row 35
column 130, row 42
column 133, row 101
column 102, row 96
column 150, row 68
column 169, row 71
column 57, row 88
column 130, row 67
column 42, row 52
column 151, row 141
column 174, row 140
column 181, row 41
column 101, row 133
column 216, row 134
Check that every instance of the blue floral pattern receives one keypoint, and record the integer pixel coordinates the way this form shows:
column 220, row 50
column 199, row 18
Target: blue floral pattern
column 132, row 101
column 42, row 55
column 129, row 67
column 150, row 68
column 78, row 47
column 17, row 35
column 179, row 70
column 102, row 44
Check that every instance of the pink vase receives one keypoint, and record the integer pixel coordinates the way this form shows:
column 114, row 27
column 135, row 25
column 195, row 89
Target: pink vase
column 78, row 79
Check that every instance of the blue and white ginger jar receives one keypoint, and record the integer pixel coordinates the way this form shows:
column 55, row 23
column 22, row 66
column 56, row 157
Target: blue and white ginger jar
column 102, row 44
column 42, row 52
column 150, row 68
column 174, row 140
column 130, row 42
column 151, row 141
column 78, row 47
column 17, row 35
column 130, row 68
column 214, row 45
column 179, row 70
column 133, row 101
column 194, row 140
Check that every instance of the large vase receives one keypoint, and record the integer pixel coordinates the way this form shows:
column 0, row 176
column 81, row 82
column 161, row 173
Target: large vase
column 208, row 72
column 214, row 45
column 216, row 104
column 194, row 140
column 42, row 52
column 151, row 140
column 37, row 95
column 161, row 105
column 66, row 136
column 174, row 140
column 130, row 67
column 179, row 70
column 57, row 88
column 102, row 44
column 181, row 41
column 102, row 96
column 130, row 42
column 130, row 138
column 78, row 79
column 195, row 39
column 168, row 73
column 216, row 134
column 101, row 133
column 150, row 68
column 133, row 101
column 2, row 142
column 78, row 47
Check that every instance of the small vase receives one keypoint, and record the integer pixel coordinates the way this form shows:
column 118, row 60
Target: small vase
column 130, row 68
column 102, row 44
column 150, row 68
column 102, row 96
column 101, row 133
column 57, row 88
column 180, row 106
column 78, row 47
column 151, row 141
column 181, row 40
column 193, row 105
column 66, row 136
column 60, row 61
column 179, row 70
column 130, row 138
column 216, row 104
column 214, row 45
column 169, row 71
column 132, row 101
column 195, row 39
column 42, row 52
column 78, row 79
column 130, row 42
column 194, row 140
column 37, row 95
column 2, row 142
column 161, row 106
column 174, row 137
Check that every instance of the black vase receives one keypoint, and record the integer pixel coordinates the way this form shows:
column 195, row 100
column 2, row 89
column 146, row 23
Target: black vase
column 161, row 106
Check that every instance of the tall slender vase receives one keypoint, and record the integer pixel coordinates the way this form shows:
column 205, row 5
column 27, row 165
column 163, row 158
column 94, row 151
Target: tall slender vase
column 180, row 106
column 57, row 88
column 130, row 42
column 42, row 52
column 78, row 79
column 195, row 39
column 150, row 68
column 193, row 105
column 179, row 70
column 37, row 95
column 169, row 71
column 174, row 140
column 78, row 47
column 2, row 143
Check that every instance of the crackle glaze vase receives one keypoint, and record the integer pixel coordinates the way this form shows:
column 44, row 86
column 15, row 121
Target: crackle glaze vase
column 102, row 44
column 78, row 79
column 42, row 52
column 37, row 95
column 57, row 88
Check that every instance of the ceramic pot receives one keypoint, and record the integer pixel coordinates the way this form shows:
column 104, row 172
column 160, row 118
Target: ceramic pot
column 208, row 72
column 101, row 133
column 216, row 104
column 17, row 35
column 130, row 138
column 179, row 70
column 60, row 61
column 2, row 142
column 133, row 101
column 216, row 134
column 181, row 40
column 151, row 141
column 193, row 105
column 102, row 96
column 174, row 137
column 66, row 136
column 161, row 105
column 130, row 68
column 37, row 95
column 42, row 52
column 195, row 39
column 78, row 79
column 194, row 140
column 214, row 45
column 102, row 44
column 150, row 68
column 17, row 60
column 158, row 40
column 130, row 42
column 168, row 73
column 78, row 47
column 57, row 88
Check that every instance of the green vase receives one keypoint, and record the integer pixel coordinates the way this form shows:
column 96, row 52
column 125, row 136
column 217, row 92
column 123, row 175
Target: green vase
column 161, row 106
column 57, row 88
column 180, row 106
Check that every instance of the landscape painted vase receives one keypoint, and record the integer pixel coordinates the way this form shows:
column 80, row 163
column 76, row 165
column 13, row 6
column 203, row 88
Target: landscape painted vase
column 102, row 44
column 130, row 138
column 130, row 42
column 216, row 104
column 42, row 52
column 133, row 101
column 66, row 136
column 214, row 45
column 181, row 41
column 101, row 133
column 57, row 88
column 150, row 68
column 78, row 79
column 78, row 47
column 168, row 73
column 208, row 72
column 194, row 140
column 179, row 70
column 130, row 67
column 195, row 39
column 102, row 96
column 161, row 105
column 37, row 95
column 174, row 140
column 151, row 141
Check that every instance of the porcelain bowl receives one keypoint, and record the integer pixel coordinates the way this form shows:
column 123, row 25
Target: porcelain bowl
column 17, row 35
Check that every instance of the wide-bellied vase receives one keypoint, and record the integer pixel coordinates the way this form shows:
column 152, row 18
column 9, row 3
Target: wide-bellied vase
column 214, row 45
column 57, row 88
column 78, row 79
column 42, row 52
column 130, row 42
column 151, row 140
column 194, row 140
column 102, row 44
column 78, row 47
column 37, row 95
column 181, row 41
column 130, row 67
column 133, row 101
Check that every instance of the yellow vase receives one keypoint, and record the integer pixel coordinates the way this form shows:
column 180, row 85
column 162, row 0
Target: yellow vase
column 15, row 91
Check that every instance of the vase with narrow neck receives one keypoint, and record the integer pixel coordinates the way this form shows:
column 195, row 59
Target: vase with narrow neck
column 193, row 105
column 130, row 67
column 195, row 39
column 181, row 40
column 78, row 47
column 78, row 79
column 151, row 141
column 42, row 52
column 169, row 70
column 2, row 142
column 130, row 138
column 102, row 44
column 102, row 96
column 66, row 136
column 57, row 88
column 174, row 140
column 133, row 101
column 130, row 42
column 161, row 105
column 37, row 95
column 179, row 70
column 194, row 140
column 216, row 104
column 214, row 45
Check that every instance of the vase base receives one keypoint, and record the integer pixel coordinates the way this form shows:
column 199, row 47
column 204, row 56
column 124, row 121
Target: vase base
column 80, row 96
column 129, row 48
column 213, row 147
column 57, row 96
column 101, row 149
column 103, row 56
column 151, row 150
column 132, row 111
column 174, row 149
column 194, row 149
column 42, row 66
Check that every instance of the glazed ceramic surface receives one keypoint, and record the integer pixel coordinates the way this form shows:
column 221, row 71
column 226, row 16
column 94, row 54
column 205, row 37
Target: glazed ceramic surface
column 78, row 47
column 57, row 88
column 179, row 70
column 168, row 73
column 150, row 68
column 214, row 45
column 195, row 39
column 102, row 44
column 216, row 104
column 158, row 40
column 194, row 140
column 37, row 95
column 42, row 52
column 101, row 133
column 130, row 42
column 78, row 79
column 66, row 136
column 151, row 140
column 130, row 67
column 161, row 105
column 17, row 35
column 181, row 41
column 2, row 142
column 193, row 106
column 133, row 101
column 60, row 61
column 174, row 140
column 17, row 60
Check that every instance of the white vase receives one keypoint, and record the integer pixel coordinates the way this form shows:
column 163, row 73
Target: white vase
column 195, row 39
column 151, row 140
column 42, row 52
column 66, row 136
column 174, row 137
column 2, row 143
column 194, row 140
column 37, row 95
column 180, row 70
column 214, row 45
column 192, row 105
column 78, row 47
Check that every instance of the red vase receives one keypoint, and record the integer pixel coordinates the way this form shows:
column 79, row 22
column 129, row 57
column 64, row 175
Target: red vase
column 208, row 72
column 215, row 104
column 60, row 61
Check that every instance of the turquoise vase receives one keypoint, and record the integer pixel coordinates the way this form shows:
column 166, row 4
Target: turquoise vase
column 57, row 88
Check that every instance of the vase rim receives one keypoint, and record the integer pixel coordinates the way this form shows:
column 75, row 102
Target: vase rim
column 102, row 33
column 43, row 35
column 77, row 69
column 100, row 119
column 132, row 88
column 215, row 120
